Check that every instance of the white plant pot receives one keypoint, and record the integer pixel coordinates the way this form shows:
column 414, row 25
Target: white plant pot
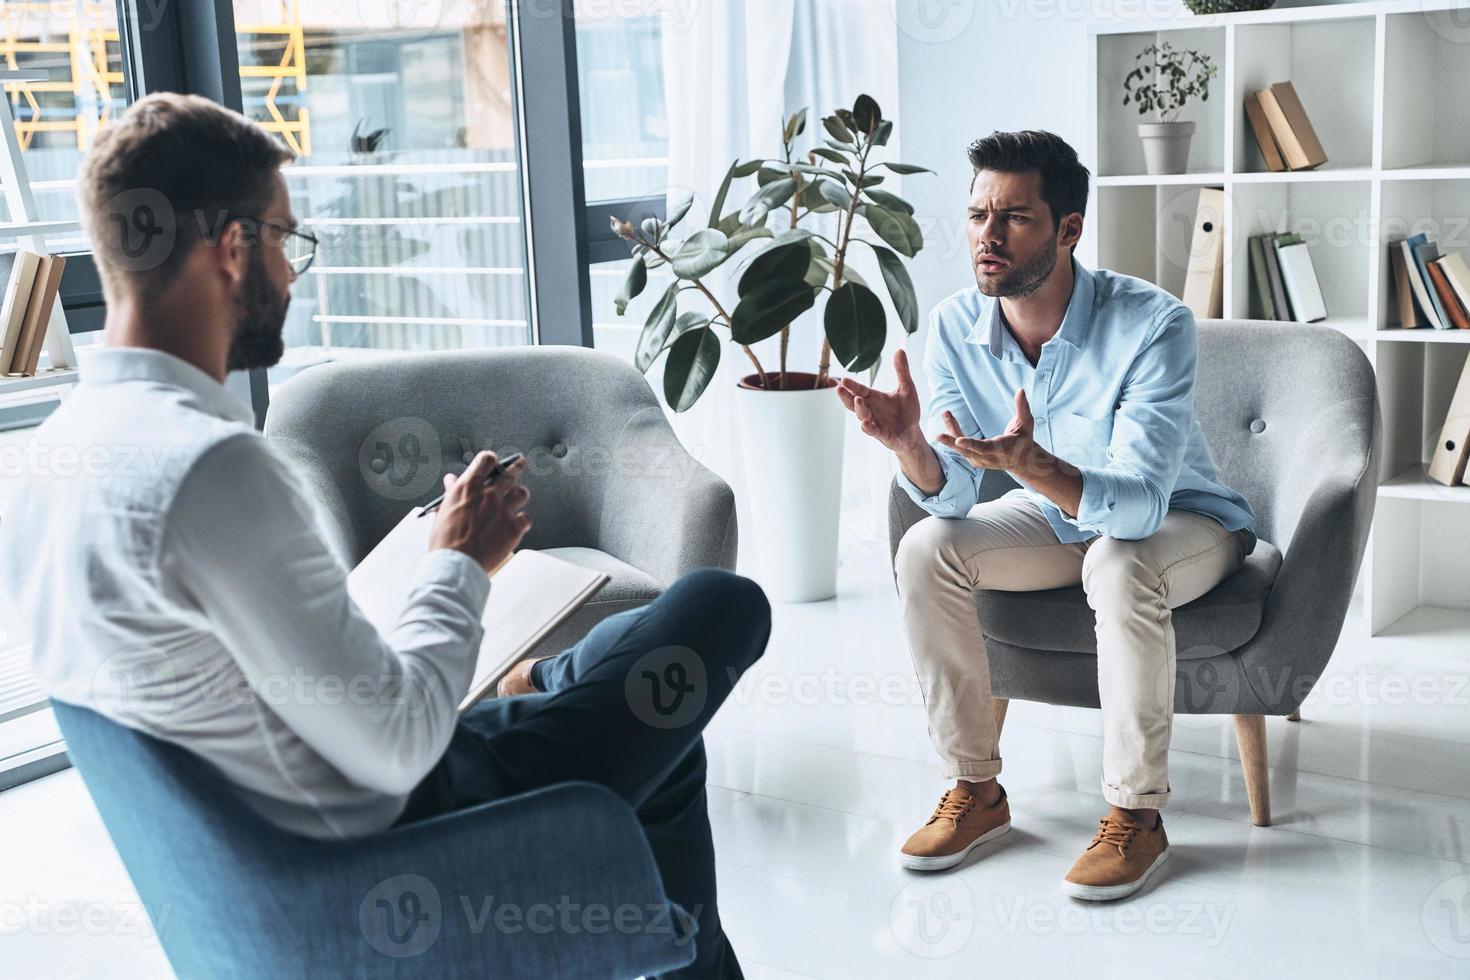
column 1166, row 146
column 792, row 446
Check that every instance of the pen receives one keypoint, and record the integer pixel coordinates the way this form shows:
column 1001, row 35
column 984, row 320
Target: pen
column 500, row 468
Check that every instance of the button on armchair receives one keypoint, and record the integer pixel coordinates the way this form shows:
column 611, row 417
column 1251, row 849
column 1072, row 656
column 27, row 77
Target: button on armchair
column 611, row 486
column 1290, row 412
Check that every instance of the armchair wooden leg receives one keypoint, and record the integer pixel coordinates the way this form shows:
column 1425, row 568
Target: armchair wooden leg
column 999, row 706
column 1250, row 737
column 1295, row 715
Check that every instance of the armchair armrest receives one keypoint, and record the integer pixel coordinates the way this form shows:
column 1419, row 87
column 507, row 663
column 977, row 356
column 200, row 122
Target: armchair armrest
column 656, row 484
column 554, row 883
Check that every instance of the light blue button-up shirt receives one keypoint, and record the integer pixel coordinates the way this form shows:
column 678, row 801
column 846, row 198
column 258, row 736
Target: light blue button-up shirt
column 1112, row 393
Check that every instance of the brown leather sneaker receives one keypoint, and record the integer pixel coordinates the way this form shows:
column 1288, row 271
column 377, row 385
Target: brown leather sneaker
column 1119, row 860
column 959, row 825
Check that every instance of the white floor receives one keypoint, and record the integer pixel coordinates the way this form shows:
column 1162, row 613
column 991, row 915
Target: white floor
column 820, row 767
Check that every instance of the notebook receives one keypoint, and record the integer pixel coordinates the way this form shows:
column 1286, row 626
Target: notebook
column 1300, row 277
column 530, row 595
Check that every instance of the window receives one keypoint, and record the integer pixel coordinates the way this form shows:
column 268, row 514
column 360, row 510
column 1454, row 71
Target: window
column 401, row 119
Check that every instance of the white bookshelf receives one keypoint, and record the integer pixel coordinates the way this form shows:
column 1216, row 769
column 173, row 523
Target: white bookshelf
column 1385, row 85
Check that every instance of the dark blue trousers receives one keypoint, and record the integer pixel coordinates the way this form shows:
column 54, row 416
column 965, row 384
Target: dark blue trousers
column 626, row 707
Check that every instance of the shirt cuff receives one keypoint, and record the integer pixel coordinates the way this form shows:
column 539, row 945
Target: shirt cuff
column 457, row 571
column 1099, row 498
column 943, row 502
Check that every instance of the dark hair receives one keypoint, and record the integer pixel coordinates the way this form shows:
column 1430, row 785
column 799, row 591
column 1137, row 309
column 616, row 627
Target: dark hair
column 1063, row 177
column 170, row 172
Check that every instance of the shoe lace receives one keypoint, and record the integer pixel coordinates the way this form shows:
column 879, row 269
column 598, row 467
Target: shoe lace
column 953, row 808
column 1120, row 835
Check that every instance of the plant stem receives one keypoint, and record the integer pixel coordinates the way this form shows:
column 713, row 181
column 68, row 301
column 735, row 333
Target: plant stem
column 765, row 381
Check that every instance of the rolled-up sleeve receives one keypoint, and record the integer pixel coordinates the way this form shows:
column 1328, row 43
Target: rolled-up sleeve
column 1128, row 497
column 961, row 489
column 242, row 541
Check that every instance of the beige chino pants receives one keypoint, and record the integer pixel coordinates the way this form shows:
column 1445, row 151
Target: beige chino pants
column 1132, row 586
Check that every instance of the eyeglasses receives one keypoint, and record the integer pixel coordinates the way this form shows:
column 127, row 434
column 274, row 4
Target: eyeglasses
column 300, row 246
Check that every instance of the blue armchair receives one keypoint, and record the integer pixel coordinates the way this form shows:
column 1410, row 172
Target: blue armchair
column 555, row 883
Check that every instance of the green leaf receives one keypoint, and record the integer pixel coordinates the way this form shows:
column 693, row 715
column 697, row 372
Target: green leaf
column 714, row 211
column 891, row 202
column 895, row 228
column 769, row 197
column 677, row 212
column 835, row 194
column 812, row 199
column 743, row 236
column 866, row 114
column 900, row 288
column 833, row 155
column 885, row 130
column 700, row 253
column 837, row 130
column 688, row 322
column 795, row 126
column 632, row 286
column 768, row 307
column 855, row 325
column 748, row 167
column 656, row 328
column 789, row 261
column 906, row 168
column 770, row 171
column 823, row 267
column 692, row 361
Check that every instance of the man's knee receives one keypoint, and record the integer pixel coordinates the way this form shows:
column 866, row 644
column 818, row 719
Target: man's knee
column 727, row 605
column 1116, row 572
column 920, row 549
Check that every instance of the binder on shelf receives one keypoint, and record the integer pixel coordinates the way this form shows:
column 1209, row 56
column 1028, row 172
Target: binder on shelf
column 1291, row 128
column 38, row 316
column 1417, row 283
column 1261, row 127
column 1445, row 293
column 1424, row 253
column 1263, row 306
column 1204, row 289
column 1403, row 292
column 20, row 276
column 1453, row 448
column 1300, row 278
column 1457, row 275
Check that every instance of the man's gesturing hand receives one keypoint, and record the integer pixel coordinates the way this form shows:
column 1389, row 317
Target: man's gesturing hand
column 891, row 417
column 486, row 523
column 1012, row 450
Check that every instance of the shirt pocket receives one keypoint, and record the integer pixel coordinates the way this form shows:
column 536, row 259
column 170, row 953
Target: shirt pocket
column 1081, row 440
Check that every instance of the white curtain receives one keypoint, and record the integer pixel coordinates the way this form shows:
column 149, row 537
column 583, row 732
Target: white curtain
column 733, row 72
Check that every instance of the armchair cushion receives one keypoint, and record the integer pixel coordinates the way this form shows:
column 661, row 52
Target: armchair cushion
column 1221, row 620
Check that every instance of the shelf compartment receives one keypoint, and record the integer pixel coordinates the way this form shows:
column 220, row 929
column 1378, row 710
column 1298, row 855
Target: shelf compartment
column 1426, row 117
column 1119, row 151
column 1330, row 64
column 1413, row 483
column 1146, row 231
column 1437, row 208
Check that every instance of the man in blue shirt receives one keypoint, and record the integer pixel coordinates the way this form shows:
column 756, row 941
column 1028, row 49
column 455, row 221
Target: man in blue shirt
column 1080, row 385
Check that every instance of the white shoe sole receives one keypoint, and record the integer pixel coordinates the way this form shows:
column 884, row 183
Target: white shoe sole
column 1105, row 893
column 938, row 863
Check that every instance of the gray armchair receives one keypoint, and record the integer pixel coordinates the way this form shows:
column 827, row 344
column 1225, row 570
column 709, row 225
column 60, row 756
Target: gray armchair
column 1290, row 412
column 611, row 486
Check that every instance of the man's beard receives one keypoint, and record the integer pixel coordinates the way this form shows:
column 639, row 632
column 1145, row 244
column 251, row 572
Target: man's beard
column 1023, row 279
column 260, row 320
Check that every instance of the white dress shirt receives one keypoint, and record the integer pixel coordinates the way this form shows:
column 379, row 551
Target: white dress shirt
column 173, row 577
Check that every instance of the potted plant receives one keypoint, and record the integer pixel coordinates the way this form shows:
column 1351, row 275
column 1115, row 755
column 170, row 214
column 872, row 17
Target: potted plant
column 1162, row 81
column 791, row 424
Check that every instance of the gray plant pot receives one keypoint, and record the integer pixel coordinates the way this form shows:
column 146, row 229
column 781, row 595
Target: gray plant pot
column 1166, row 146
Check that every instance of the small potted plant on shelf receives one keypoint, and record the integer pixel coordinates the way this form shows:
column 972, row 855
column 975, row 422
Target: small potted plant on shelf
column 822, row 204
column 1163, row 81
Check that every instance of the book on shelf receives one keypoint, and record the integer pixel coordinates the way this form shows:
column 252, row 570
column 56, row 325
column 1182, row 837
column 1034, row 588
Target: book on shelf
column 1279, row 298
column 1299, row 276
column 1445, row 293
column 1204, row 289
column 1417, row 283
column 1425, row 252
column 1261, row 127
column 1263, row 306
column 1405, row 307
column 1452, row 450
column 1456, row 275
column 1290, row 127
column 37, row 316
column 19, row 274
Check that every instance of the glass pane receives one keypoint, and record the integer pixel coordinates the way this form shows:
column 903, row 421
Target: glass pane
column 400, row 115
column 625, row 135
